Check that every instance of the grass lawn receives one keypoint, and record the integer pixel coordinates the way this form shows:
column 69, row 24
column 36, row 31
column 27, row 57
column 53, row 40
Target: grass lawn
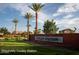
column 14, row 44
column 40, row 50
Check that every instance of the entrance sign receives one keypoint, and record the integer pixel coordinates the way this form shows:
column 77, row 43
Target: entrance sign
column 49, row 39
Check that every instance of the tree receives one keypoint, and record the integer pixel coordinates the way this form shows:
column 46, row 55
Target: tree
column 50, row 27
column 28, row 16
column 36, row 7
column 4, row 30
column 15, row 21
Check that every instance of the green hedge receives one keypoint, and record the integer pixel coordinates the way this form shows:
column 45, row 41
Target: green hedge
column 12, row 39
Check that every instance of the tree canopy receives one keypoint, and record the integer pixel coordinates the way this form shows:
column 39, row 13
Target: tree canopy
column 15, row 20
column 36, row 7
column 4, row 30
column 50, row 27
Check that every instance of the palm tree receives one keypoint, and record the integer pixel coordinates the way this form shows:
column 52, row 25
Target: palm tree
column 15, row 21
column 36, row 7
column 28, row 16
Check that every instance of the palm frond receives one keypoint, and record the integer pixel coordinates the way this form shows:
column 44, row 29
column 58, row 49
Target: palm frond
column 15, row 20
column 36, row 7
column 28, row 15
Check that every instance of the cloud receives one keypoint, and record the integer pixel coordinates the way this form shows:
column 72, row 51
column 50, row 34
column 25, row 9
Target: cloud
column 68, row 23
column 68, row 16
column 22, row 8
column 56, row 14
column 69, row 7
column 66, row 9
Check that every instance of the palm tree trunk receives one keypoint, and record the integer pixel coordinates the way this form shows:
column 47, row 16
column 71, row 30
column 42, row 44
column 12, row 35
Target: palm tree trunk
column 36, row 22
column 15, row 28
column 28, row 28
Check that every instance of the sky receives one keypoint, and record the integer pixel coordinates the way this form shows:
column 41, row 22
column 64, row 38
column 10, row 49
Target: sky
column 66, row 15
